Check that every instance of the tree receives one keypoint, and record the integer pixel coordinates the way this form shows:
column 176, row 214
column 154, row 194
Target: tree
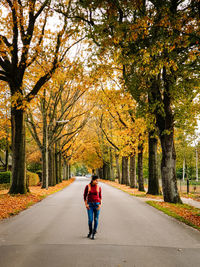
column 61, row 115
column 5, row 128
column 156, row 43
column 25, row 42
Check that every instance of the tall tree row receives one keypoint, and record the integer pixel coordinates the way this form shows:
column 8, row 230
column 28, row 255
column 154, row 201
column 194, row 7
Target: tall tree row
column 26, row 42
column 156, row 44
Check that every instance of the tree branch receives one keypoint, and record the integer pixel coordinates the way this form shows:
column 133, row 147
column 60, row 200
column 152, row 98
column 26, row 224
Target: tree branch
column 5, row 40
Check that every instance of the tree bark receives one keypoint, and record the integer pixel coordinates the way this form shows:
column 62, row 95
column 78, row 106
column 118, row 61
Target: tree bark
column 184, row 168
column 44, row 168
column 106, row 171
column 168, row 169
column 100, row 173
column 153, row 183
column 56, row 156
column 70, row 175
column 7, row 153
column 118, row 168
column 197, row 175
column 66, row 171
column 52, row 174
column 18, row 184
column 124, row 170
column 140, row 168
column 133, row 182
column 161, row 94
column 60, row 167
column 111, row 166
column 165, row 123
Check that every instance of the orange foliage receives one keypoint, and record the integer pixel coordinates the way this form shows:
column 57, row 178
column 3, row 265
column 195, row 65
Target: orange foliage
column 13, row 204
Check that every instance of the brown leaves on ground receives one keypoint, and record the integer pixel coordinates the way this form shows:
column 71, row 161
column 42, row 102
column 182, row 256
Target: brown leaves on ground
column 13, row 204
column 188, row 214
column 131, row 191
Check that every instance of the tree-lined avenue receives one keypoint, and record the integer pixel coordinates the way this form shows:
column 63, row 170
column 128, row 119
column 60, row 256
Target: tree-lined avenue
column 131, row 233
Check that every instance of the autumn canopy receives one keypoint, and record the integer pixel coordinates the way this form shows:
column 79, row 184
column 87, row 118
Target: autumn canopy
column 112, row 86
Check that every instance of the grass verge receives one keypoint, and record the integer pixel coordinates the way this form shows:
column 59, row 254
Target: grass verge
column 182, row 212
column 11, row 205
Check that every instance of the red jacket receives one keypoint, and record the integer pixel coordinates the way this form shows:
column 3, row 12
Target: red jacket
column 93, row 195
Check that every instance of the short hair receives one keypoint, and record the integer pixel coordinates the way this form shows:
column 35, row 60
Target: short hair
column 94, row 177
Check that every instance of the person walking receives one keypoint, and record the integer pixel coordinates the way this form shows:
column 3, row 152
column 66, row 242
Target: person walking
column 93, row 200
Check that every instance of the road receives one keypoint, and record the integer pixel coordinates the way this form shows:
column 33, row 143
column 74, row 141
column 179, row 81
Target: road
column 52, row 233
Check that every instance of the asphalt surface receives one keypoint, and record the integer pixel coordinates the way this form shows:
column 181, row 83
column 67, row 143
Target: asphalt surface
column 53, row 233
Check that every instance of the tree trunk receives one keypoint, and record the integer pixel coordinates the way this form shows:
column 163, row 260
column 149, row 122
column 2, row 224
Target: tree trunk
column 106, row 171
column 184, row 168
column 140, row 168
column 18, row 184
column 60, row 167
column 197, row 175
column 118, row 168
column 64, row 169
column 168, row 169
column 70, row 175
column 44, row 168
column 153, row 183
column 124, row 170
column 165, row 122
column 52, row 174
column 67, row 171
column 44, row 147
column 56, row 164
column 6, row 160
column 133, row 182
column 100, row 173
column 111, row 166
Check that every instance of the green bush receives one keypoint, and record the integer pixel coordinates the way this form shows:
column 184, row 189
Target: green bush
column 5, row 177
column 34, row 167
column 33, row 178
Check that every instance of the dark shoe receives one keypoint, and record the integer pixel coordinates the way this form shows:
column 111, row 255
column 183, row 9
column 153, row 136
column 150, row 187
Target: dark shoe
column 93, row 234
column 90, row 233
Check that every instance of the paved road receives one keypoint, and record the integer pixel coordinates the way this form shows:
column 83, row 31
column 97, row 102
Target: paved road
column 53, row 233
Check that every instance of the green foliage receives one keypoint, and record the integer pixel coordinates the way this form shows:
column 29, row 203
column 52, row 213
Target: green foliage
column 5, row 177
column 79, row 169
column 34, row 167
column 179, row 173
column 33, row 178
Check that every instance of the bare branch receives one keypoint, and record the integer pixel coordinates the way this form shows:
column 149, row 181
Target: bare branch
column 15, row 34
column 5, row 40
column 39, row 42
column 46, row 3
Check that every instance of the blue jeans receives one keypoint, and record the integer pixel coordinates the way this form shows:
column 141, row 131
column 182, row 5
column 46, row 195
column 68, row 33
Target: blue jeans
column 93, row 213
